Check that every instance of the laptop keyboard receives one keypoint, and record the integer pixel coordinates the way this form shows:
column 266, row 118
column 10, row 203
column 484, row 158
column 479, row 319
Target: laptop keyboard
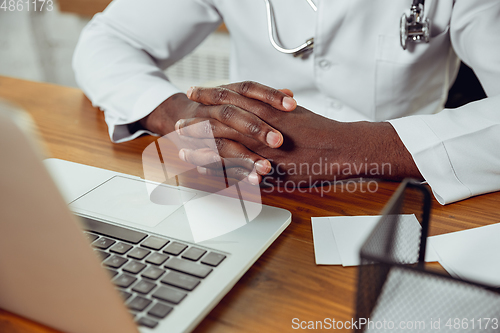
column 153, row 274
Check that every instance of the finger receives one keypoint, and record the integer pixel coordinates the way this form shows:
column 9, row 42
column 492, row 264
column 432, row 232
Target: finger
column 210, row 158
column 234, row 173
column 287, row 91
column 208, row 128
column 196, row 133
column 238, row 154
column 238, row 119
column 234, row 154
column 205, row 157
column 268, row 95
column 222, row 95
column 187, row 142
column 249, row 89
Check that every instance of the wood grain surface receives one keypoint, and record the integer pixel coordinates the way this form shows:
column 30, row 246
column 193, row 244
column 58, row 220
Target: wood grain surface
column 285, row 283
column 83, row 7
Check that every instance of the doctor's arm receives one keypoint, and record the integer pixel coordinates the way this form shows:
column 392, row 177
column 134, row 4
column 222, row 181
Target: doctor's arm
column 345, row 148
column 122, row 52
column 119, row 63
column 456, row 150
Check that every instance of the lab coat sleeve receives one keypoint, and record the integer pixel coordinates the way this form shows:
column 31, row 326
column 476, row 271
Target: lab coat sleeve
column 122, row 52
column 458, row 151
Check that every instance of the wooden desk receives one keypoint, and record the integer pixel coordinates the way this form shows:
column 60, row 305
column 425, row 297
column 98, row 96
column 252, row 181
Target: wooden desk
column 284, row 283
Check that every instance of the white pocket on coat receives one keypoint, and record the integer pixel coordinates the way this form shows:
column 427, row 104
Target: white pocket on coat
column 411, row 80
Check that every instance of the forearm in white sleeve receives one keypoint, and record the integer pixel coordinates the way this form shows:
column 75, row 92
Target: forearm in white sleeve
column 458, row 151
column 121, row 55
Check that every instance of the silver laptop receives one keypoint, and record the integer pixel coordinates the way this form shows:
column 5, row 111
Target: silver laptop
column 137, row 264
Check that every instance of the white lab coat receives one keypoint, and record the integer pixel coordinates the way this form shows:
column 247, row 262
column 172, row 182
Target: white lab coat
column 358, row 71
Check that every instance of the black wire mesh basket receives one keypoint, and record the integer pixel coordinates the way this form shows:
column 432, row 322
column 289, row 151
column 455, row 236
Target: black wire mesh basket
column 395, row 291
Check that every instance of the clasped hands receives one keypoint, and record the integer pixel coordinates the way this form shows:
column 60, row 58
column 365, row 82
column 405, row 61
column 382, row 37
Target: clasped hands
column 258, row 131
column 255, row 131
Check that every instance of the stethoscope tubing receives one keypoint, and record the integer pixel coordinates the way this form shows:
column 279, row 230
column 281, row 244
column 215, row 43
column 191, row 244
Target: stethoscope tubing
column 419, row 36
column 271, row 31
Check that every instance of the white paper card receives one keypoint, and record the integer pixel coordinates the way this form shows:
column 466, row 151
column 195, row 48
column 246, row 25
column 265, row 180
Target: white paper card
column 325, row 247
column 472, row 254
column 348, row 233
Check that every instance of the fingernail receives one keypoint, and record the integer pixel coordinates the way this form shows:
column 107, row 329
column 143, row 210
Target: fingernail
column 253, row 178
column 263, row 167
column 202, row 170
column 182, row 155
column 189, row 92
column 273, row 139
column 289, row 103
column 178, row 126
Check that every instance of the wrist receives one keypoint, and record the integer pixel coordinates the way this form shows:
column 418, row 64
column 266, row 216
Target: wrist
column 162, row 119
column 376, row 151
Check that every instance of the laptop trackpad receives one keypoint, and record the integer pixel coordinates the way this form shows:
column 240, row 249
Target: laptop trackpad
column 124, row 199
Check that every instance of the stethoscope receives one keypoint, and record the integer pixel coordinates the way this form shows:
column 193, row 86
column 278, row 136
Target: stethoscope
column 414, row 28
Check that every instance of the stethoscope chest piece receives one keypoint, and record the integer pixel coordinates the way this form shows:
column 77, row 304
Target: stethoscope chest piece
column 414, row 28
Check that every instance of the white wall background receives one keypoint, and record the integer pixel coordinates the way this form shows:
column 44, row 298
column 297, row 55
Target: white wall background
column 38, row 46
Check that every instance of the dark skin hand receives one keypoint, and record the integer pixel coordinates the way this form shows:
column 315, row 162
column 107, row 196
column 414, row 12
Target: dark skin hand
column 304, row 138
column 228, row 120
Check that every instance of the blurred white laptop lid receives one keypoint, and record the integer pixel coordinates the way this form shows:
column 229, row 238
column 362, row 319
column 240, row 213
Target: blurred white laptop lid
column 48, row 273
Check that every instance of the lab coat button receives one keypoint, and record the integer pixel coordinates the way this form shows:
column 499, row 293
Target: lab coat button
column 324, row 64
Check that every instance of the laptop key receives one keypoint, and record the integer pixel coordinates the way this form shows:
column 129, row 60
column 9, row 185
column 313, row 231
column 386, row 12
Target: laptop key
column 115, row 262
column 113, row 231
column 133, row 267
column 120, row 248
column 103, row 255
column 138, row 303
column 213, row 259
column 169, row 294
column 103, row 243
column 181, row 280
column 147, row 322
column 194, row 254
column 157, row 258
column 154, row 243
column 175, row 248
column 90, row 237
column 188, row 267
column 124, row 280
column 125, row 295
column 144, row 287
column 152, row 273
column 138, row 253
column 112, row 272
column 160, row 310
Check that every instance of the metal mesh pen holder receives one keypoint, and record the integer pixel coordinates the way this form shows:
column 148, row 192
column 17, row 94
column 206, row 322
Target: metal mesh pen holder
column 395, row 291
